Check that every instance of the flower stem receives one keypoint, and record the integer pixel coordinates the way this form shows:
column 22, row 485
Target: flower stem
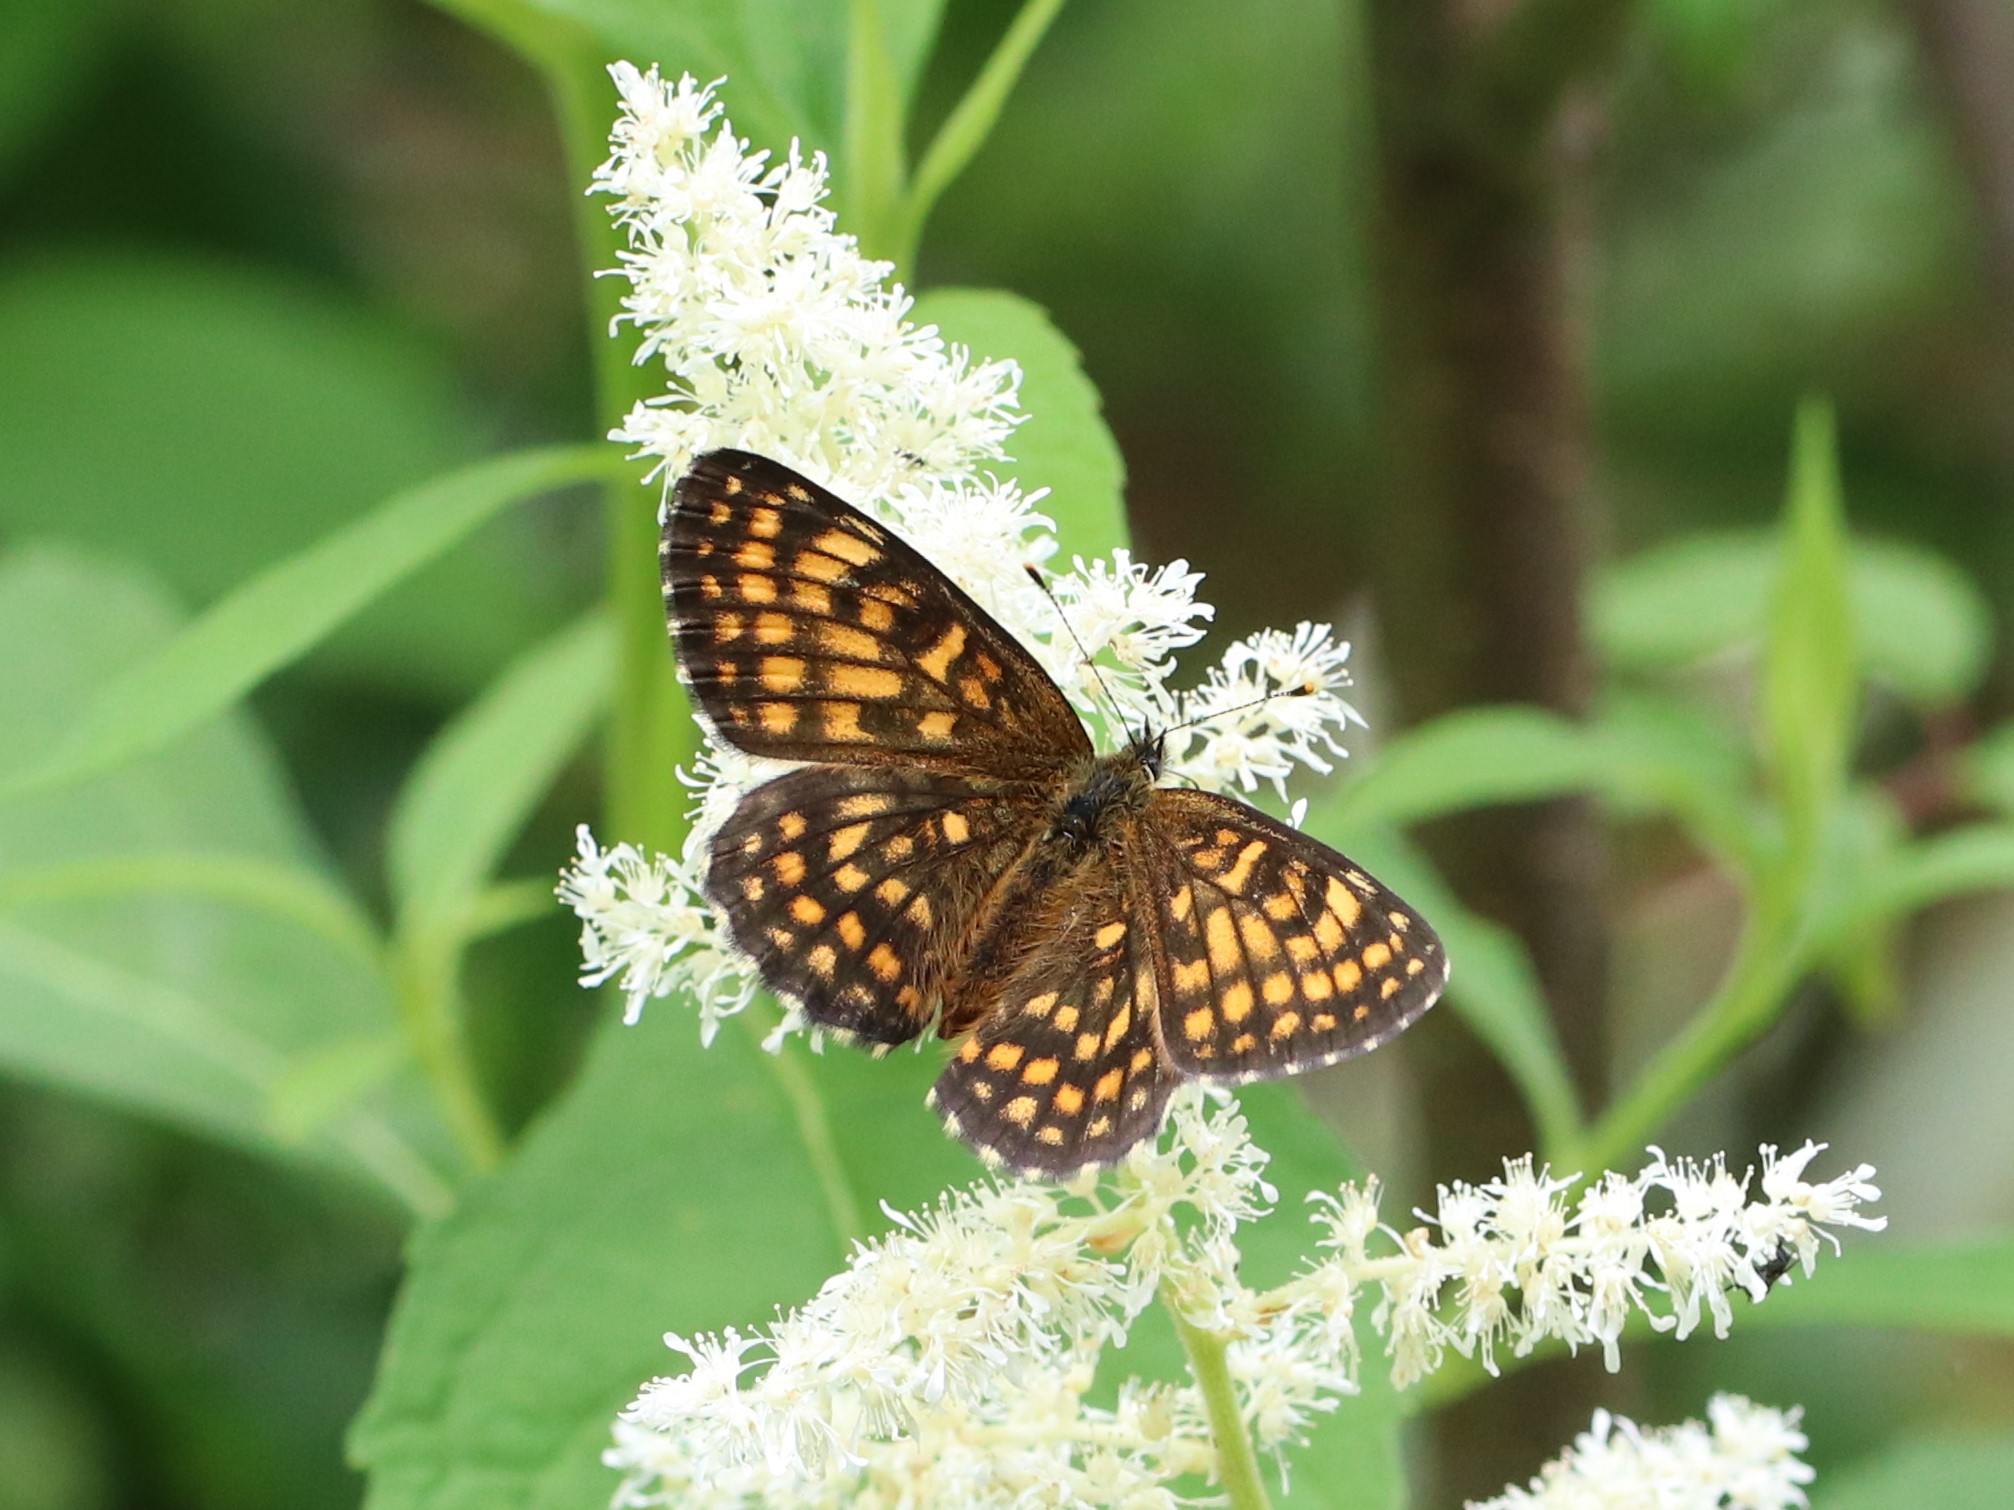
column 426, row 970
column 650, row 729
column 970, row 122
column 814, row 1128
column 874, row 167
column 1209, row 1364
column 1768, row 964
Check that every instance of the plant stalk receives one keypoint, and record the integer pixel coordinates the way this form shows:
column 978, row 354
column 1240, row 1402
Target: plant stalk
column 1209, row 1363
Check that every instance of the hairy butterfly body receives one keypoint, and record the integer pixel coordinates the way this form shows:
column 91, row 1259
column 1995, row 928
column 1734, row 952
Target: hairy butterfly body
column 953, row 853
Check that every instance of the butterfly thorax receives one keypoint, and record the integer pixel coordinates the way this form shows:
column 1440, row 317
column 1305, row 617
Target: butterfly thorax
column 1072, row 867
column 1106, row 790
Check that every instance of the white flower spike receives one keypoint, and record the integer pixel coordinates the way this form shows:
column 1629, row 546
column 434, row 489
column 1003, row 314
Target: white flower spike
column 951, row 1357
column 777, row 336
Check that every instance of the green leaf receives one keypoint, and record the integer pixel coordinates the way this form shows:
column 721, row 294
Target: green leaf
column 1951, row 1472
column 973, row 118
column 194, row 1004
column 1478, row 757
column 284, row 611
column 257, row 414
column 1642, row 752
column 320, row 1086
column 1355, row 1459
column 667, row 1191
column 1668, row 754
column 1491, row 982
column 1065, row 445
column 1910, row 877
column 1964, row 1287
column 873, row 173
column 1864, row 845
column 484, row 773
column 784, row 60
column 1922, row 626
column 466, row 800
column 1989, row 770
column 49, row 50
column 1808, row 684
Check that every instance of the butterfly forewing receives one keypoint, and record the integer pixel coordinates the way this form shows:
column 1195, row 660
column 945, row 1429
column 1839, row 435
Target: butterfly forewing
column 1064, row 1072
column 1280, row 955
column 810, row 632
column 849, row 885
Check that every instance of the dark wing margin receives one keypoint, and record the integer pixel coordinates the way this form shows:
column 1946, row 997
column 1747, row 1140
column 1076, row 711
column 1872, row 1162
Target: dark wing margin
column 809, row 632
column 1281, row 954
column 1064, row 1073
column 846, row 884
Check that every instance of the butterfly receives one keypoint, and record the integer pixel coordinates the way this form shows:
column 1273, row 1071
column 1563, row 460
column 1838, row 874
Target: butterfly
column 953, row 853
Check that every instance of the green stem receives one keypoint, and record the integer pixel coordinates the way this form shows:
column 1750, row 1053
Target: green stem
column 814, row 1129
column 397, row 1166
column 426, row 972
column 1766, row 967
column 505, row 905
column 970, row 122
column 1209, row 1364
column 875, row 169
column 650, row 730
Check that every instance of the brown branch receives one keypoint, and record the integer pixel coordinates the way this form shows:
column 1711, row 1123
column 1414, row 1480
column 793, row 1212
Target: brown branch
column 1484, row 112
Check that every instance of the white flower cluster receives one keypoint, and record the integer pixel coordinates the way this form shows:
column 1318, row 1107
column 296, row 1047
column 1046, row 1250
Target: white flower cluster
column 1744, row 1458
column 948, row 1363
column 777, row 336
column 1518, row 1261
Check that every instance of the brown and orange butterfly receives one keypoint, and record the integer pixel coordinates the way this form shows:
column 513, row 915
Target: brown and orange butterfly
column 955, row 853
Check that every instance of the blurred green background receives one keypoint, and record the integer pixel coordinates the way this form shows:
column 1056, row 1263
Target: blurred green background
column 262, row 264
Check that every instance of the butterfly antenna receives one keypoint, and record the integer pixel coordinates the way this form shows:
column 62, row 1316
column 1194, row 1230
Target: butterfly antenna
column 1117, row 713
column 1306, row 689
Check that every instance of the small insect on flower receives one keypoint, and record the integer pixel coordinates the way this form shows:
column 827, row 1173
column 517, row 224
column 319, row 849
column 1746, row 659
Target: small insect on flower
column 953, row 851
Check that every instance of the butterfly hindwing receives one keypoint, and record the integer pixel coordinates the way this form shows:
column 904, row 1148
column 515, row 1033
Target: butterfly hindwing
column 1064, row 1072
column 809, row 632
column 847, row 886
column 1281, row 955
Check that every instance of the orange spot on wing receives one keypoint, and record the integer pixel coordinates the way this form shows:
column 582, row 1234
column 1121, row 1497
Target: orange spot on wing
column 847, row 547
column 1237, row 1001
column 875, row 682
